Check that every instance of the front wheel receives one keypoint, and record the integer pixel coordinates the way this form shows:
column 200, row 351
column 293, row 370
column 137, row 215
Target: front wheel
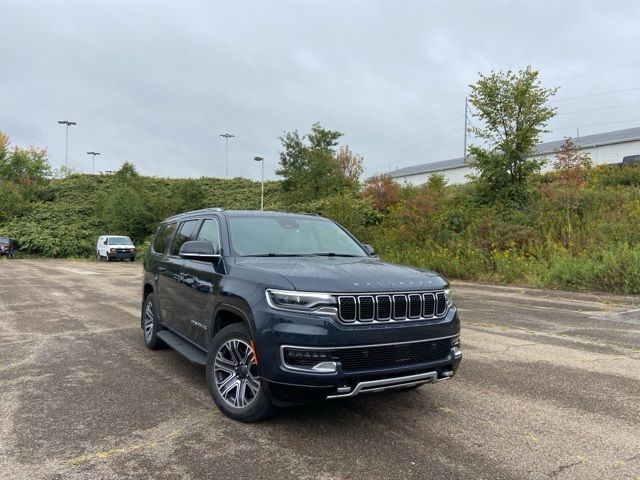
column 150, row 323
column 233, row 378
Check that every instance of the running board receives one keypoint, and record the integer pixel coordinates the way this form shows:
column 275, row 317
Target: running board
column 183, row 347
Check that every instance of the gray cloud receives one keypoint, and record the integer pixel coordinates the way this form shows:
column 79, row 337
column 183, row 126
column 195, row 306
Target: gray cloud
column 155, row 83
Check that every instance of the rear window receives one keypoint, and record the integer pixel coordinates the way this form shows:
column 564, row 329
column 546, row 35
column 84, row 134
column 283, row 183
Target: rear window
column 186, row 233
column 165, row 232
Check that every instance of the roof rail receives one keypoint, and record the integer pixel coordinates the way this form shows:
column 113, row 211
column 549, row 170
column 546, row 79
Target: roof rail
column 202, row 210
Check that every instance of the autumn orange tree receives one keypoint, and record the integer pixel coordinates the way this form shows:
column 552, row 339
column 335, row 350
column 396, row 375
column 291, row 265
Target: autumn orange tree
column 572, row 168
column 382, row 191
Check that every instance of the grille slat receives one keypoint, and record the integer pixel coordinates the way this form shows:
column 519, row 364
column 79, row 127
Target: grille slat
column 399, row 307
column 392, row 306
column 429, row 305
column 384, row 308
column 347, row 306
column 366, row 308
column 415, row 305
column 441, row 303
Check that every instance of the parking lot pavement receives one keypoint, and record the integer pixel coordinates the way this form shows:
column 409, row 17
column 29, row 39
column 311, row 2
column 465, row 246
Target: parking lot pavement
column 549, row 387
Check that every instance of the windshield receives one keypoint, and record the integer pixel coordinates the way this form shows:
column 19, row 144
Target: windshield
column 119, row 241
column 4, row 240
column 285, row 236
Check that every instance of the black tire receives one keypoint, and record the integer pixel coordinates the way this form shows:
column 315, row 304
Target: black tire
column 150, row 324
column 132, row 259
column 109, row 258
column 249, row 388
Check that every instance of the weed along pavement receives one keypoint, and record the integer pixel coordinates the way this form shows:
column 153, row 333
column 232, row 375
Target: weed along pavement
column 549, row 387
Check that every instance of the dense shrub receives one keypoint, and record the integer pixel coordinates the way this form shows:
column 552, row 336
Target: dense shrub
column 433, row 226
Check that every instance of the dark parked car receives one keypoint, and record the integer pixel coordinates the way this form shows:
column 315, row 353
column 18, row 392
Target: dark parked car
column 284, row 308
column 6, row 247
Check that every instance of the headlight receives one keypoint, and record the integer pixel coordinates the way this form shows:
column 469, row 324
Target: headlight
column 447, row 295
column 301, row 301
column 112, row 250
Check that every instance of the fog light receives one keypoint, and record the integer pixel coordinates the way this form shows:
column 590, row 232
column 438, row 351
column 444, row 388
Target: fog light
column 312, row 360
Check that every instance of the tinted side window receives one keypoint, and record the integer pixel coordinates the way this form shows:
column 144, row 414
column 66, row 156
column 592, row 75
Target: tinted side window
column 186, row 233
column 162, row 238
column 210, row 232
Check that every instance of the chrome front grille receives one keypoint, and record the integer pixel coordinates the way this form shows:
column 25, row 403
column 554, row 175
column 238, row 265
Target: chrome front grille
column 392, row 307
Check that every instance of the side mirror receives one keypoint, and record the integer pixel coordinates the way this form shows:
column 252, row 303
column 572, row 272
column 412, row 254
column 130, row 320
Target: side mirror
column 370, row 250
column 198, row 250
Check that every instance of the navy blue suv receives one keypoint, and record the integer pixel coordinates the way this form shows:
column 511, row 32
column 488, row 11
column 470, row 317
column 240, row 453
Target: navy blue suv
column 288, row 308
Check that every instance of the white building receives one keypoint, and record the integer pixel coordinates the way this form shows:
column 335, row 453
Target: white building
column 602, row 148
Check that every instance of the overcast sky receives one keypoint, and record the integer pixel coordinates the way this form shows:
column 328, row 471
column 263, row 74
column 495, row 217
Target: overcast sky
column 155, row 83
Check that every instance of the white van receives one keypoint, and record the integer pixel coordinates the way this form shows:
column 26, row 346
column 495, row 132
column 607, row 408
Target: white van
column 110, row 247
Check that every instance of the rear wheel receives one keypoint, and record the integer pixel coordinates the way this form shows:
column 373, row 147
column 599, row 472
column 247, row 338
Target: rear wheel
column 150, row 323
column 233, row 376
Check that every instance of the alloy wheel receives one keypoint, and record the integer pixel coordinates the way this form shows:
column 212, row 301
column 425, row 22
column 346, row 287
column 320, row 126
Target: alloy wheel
column 235, row 373
column 148, row 321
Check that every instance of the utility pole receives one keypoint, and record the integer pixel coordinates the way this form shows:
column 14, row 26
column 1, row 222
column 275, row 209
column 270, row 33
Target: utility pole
column 466, row 122
column 226, row 137
column 66, row 145
column 261, row 160
column 93, row 161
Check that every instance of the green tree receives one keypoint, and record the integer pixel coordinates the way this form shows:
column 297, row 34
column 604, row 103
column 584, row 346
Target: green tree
column 25, row 166
column 312, row 168
column 125, row 208
column 514, row 112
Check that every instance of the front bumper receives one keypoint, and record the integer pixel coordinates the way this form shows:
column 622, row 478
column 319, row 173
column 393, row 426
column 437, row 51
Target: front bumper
column 276, row 331
column 121, row 255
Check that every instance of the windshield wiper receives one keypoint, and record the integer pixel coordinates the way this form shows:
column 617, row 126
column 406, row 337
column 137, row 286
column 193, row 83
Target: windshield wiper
column 333, row 254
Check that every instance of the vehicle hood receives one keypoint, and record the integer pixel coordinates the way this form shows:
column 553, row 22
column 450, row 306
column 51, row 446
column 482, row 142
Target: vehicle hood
column 345, row 274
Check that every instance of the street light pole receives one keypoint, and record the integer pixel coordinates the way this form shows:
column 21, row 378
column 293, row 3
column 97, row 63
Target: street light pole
column 93, row 161
column 261, row 160
column 66, row 145
column 226, row 137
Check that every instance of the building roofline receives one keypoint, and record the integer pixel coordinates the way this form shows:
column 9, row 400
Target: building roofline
column 588, row 141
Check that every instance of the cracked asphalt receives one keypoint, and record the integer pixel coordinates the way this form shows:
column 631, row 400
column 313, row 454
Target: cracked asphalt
column 549, row 387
